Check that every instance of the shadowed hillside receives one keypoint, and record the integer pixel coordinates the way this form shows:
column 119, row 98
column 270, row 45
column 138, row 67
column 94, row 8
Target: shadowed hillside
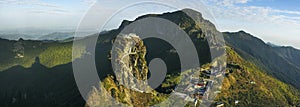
column 39, row 86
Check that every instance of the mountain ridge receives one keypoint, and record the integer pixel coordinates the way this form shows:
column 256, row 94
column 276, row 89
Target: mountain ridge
column 271, row 59
column 240, row 77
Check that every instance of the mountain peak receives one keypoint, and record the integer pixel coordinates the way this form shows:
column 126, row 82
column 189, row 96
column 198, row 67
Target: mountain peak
column 21, row 39
column 272, row 44
column 242, row 31
column 188, row 20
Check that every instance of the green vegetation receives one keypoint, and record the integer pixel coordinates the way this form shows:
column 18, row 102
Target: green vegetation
column 280, row 62
column 56, row 55
column 19, row 53
column 59, row 53
column 50, row 81
column 251, row 86
column 24, row 53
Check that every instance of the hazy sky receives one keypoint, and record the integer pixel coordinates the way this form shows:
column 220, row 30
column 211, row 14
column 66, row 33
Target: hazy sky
column 276, row 21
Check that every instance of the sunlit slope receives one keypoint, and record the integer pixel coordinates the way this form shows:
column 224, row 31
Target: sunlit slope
column 280, row 62
column 24, row 52
column 246, row 83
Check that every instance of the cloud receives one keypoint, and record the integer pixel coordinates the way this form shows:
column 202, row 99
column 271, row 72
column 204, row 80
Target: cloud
column 36, row 6
column 28, row 2
column 228, row 2
column 253, row 14
column 233, row 2
column 271, row 24
column 49, row 12
column 288, row 12
column 88, row 2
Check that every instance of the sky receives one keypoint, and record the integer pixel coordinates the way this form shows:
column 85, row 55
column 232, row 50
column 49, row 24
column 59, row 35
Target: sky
column 276, row 21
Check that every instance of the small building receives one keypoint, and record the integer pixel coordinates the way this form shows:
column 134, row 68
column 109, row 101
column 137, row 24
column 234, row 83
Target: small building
column 219, row 74
column 200, row 84
column 217, row 92
column 220, row 104
column 207, row 72
column 236, row 102
column 19, row 55
column 189, row 88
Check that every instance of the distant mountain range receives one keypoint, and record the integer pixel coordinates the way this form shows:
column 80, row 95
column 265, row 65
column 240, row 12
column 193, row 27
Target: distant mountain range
column 17, row 36
column 39, row 73
column 273, row 45
column 55, row 36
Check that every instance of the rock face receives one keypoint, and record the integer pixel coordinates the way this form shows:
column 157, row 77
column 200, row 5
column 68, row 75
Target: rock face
column 245, row 82
column 128, row 85
column 128, row 61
